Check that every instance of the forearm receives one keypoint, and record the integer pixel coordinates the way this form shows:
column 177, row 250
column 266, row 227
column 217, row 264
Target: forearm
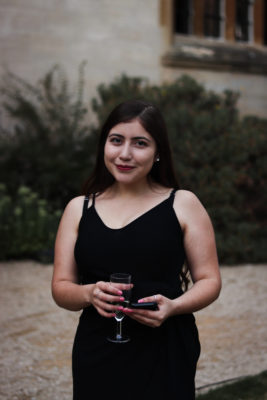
column 200, row 295
column 72, row 296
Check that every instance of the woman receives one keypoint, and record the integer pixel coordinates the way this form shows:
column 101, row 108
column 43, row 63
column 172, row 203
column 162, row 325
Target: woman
column 135, row 220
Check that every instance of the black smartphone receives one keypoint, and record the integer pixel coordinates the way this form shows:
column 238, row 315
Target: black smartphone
column 150, row 305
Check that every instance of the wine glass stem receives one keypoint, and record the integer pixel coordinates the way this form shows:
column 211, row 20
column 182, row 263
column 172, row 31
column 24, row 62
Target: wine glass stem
column 118, row 329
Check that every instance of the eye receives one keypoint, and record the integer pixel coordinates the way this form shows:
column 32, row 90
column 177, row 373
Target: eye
column 141, row 143
column 115, row 140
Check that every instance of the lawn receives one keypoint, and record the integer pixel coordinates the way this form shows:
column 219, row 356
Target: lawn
column 250, row 388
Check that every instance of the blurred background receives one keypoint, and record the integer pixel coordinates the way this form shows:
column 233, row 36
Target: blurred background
column 65, row 64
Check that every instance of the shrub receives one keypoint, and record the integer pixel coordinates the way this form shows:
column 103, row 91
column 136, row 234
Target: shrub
column 27, row 226
column 47, row 138
column 217, row 155
column 246, row 388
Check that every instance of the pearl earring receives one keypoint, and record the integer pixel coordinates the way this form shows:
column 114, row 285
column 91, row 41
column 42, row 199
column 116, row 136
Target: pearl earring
column 157, row 159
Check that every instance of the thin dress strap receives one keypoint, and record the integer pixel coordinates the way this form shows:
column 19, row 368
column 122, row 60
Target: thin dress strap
column 85, row 203
column 93, row 200
column 171, row 197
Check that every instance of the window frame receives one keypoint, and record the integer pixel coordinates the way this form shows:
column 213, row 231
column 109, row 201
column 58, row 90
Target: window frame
column 227, row 26
column 250, row 22
column 195, row 51
column 221, row 24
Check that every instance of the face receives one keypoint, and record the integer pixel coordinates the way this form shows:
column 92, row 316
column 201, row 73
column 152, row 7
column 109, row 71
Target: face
column 130, row 152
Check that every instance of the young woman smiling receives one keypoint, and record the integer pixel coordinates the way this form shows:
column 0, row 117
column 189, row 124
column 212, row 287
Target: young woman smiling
column 135, row 219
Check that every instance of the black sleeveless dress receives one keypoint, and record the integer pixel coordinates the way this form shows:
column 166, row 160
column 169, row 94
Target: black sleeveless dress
column 158, row 363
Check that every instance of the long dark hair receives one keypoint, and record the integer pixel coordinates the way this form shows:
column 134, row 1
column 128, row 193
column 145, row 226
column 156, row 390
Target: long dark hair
column 162, row 172
column 152, row 121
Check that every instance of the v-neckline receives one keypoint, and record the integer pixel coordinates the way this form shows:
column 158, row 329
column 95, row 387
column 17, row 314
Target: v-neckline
column 135, row 219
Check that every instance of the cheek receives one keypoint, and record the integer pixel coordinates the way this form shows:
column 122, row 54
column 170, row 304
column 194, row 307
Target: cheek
column 109, row 152
column 106, row 156
column 148, row 159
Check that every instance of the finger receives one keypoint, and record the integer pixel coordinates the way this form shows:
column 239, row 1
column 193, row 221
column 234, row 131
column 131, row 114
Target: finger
column 146, row 321
column 141, row 313
column 105, row 313
column 122, row 286
column 108, row 288
column 107, row 302
column 155, row 297
column 147, row 317
column 107, row 297
column 108, row 306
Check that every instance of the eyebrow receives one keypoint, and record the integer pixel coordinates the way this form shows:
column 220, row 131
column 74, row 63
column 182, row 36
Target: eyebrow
column 134, row 138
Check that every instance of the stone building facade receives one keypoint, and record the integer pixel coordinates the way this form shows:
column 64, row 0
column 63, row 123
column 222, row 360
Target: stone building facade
column 221, row 43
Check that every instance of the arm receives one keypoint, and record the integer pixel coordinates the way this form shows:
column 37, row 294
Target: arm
column 66, row 290
column 201, row 255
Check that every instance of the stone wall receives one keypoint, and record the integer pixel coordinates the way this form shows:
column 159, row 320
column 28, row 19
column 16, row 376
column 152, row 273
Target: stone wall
column 241, row 67
column 113, row 36
column 252, row 88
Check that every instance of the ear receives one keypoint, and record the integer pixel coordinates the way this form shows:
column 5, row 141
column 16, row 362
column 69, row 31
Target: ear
column 157, row 159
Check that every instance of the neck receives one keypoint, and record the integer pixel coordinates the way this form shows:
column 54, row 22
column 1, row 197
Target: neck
column 133, row 190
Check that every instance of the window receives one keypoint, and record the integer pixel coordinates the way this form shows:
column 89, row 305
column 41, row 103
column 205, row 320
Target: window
column 199, row 17
column 206, row 35
column 244, row 21
column 212, row 18
column 183, row 16
column 265, row 22
column 234, row 20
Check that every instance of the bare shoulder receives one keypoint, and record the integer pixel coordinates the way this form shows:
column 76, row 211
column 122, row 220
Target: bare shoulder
column 75, row 204
column 185, row 198
column 189, row 208
column 73, row 211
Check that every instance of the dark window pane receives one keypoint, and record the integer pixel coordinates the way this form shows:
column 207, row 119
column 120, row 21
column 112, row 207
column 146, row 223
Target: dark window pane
column 265, row 22
column 181, row 16
column 212, row 18
column 242, row 21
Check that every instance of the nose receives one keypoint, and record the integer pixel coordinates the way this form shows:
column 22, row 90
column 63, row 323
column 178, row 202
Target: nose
column 125, row 153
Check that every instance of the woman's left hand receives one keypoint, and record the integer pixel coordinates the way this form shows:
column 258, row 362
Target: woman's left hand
column 154, row 319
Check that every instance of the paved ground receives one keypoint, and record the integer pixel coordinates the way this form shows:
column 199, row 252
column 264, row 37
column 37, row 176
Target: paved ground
column 36, row 335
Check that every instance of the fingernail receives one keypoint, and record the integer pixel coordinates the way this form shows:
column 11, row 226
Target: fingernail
column 140, row 301
column 119, row 292
column 120, row 308
column 121, row 298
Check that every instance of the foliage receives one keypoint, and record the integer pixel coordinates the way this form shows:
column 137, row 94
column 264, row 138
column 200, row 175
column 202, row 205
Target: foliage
column 49, row 147
column 217, row 155
column 46, row 143
column 250, row 388
column 27, row 225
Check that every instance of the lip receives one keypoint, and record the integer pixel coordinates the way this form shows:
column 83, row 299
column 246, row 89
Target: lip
column 124, row 167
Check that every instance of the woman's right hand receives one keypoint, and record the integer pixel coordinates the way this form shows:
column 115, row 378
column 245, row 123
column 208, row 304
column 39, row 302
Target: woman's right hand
column 106, row 298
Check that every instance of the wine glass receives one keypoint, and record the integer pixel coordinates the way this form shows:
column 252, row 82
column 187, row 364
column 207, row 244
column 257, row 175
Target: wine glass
column 116, row 279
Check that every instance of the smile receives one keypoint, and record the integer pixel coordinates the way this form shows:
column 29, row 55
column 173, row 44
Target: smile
column 124, row 167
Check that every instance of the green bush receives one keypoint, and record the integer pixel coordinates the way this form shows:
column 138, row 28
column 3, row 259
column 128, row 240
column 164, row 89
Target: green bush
column 45, row 143
column 27, row 226
column 247, row 388
column 218, row 155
